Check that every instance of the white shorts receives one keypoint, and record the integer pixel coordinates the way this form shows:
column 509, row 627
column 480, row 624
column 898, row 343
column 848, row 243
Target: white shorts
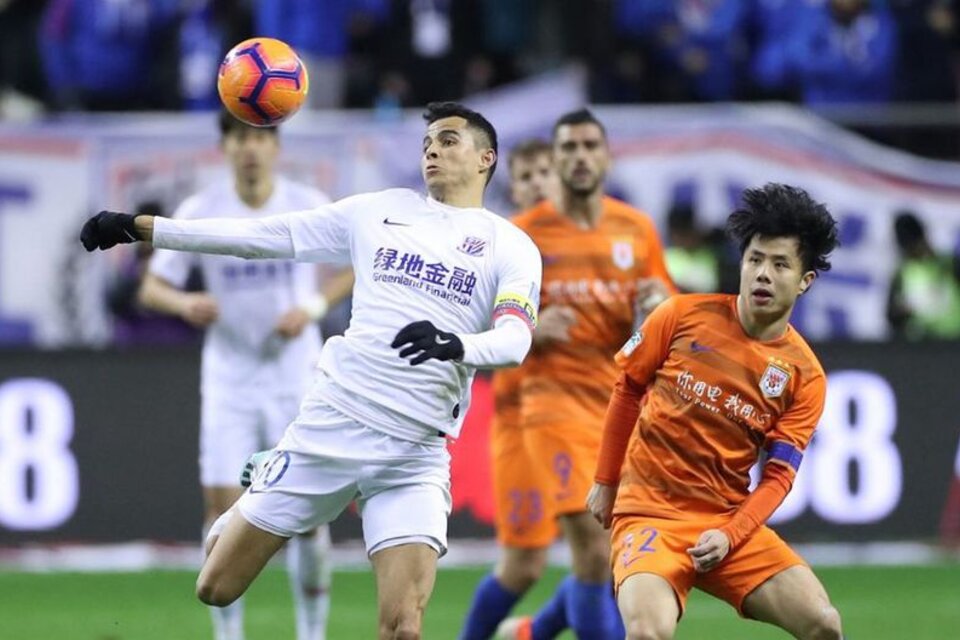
column 234, row 425
column 325, row 460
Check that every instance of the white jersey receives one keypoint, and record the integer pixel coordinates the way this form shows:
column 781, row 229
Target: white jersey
column 242, row 349
column 414, row 259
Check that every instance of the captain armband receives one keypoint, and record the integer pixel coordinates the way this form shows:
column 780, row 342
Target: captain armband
column 786, row 453
column 512, row 304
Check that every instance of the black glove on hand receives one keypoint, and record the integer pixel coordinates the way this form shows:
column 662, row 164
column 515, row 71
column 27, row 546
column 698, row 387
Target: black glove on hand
column 108, row 229
column 428, row 342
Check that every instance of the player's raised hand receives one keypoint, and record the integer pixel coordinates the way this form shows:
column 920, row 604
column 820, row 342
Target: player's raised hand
column 292, row 323
column 600, row 503
column 426, row 341
column 108, row 229
column 712, row 547
column 199, row 309
column 554, row 324
column 650, row 293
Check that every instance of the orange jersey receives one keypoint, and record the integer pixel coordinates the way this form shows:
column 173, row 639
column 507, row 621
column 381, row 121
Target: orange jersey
column 594, row 271
column 715, row 398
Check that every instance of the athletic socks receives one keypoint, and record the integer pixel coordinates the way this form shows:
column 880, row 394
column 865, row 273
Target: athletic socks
column 308, row 566
column 491, row 605
column 589, row 611
column 551, row 620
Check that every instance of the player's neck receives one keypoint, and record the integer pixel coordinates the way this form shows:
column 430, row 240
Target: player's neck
column 583, row 210
column 254, row 193
column 465, row 198
column 760, row 327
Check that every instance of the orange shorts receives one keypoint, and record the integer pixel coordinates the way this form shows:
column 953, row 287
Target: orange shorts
column 565, row 462
column 643, row 544
column 523, row 517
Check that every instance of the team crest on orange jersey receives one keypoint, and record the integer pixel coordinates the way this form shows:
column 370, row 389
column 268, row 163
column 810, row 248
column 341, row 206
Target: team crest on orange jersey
column 774, row 380
column 622, row 253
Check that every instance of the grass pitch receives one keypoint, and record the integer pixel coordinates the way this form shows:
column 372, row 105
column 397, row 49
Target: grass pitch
column 877, row 603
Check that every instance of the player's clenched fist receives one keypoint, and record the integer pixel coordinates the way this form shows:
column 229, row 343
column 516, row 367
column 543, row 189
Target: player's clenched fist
column 712, row 547
column 199, row 309
column 426, row 341
column 600, row 503
column 108, row 229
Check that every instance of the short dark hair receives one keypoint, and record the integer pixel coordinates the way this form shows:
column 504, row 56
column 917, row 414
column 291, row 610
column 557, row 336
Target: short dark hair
column 580, row 116
column 230, row 123
column 527, row 150
column 909, row 229
column 488, row 135
column 779, row 210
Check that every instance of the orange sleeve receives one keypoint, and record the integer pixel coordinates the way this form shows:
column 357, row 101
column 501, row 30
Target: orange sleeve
column 797, row 424
column 759, row 506
column 656, row 260
column 618, row 424
column 649, row 345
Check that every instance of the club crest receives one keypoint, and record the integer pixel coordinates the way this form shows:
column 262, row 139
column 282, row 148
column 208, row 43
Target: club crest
column 774, row 381
column 622, row 254
column 473, row 246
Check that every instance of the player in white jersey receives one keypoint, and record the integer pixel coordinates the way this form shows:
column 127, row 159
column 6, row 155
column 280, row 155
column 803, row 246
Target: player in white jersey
column 260, row 346
column 443, row 287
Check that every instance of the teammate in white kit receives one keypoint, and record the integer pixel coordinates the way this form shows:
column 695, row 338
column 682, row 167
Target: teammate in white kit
column 443, row 287
column 260, row 346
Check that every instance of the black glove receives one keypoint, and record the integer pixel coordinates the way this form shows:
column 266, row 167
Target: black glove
column 427, row 342
column 107, row 229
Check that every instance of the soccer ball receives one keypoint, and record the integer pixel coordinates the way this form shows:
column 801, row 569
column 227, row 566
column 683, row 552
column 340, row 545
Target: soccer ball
column 262, row 81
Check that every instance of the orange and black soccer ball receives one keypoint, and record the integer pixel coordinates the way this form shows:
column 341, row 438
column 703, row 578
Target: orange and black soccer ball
column 262, row 81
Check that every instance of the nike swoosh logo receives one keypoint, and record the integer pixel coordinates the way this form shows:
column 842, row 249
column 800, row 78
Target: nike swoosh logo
column 129, row 235
column 699, row 347
column 395, row 224
column 441, row 342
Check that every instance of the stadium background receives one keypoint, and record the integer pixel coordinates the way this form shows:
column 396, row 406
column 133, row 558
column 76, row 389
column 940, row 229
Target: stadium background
column 98, row 403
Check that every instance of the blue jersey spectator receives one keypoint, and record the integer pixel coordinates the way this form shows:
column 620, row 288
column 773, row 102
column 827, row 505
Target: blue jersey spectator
column 320, row 34
column 701, row 39
column 104, row 54
column 774, row 23
column 845, row 52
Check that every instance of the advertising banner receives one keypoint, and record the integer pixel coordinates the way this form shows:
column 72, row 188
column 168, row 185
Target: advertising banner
column 101, row 446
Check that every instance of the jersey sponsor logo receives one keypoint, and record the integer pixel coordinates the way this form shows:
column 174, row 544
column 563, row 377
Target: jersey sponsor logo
column 774, row 380
column 515, row 305
column 631, row 345
column 716, row 399
column 472, row 246
column 622, row 254
column 414, row 271
column 394, row 223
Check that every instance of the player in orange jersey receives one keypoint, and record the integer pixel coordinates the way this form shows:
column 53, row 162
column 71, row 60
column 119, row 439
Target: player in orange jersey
column 518, row 518
column 602, row 261
column 724, row 379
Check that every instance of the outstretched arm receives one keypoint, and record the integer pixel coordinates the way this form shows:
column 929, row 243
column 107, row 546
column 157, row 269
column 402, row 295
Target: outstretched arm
column 268, row 237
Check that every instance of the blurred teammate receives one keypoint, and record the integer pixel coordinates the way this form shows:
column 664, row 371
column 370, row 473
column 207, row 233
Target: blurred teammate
column 603, row 266
column 532, row 179
column 726, row 379
column 373, row 427
column 261, row 344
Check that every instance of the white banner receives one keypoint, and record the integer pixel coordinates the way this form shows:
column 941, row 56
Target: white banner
column 710, row 155
column 54, row 175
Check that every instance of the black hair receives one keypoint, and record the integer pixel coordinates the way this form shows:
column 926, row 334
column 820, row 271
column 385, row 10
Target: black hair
column 909, row 229
column 488, row 135
column 527, row 150
column 580, row 116
column 682, row 217
column 780, row 210
column 229, row 123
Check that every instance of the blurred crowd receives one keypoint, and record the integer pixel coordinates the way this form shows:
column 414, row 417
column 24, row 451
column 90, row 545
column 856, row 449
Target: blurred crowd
column 388, row 54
